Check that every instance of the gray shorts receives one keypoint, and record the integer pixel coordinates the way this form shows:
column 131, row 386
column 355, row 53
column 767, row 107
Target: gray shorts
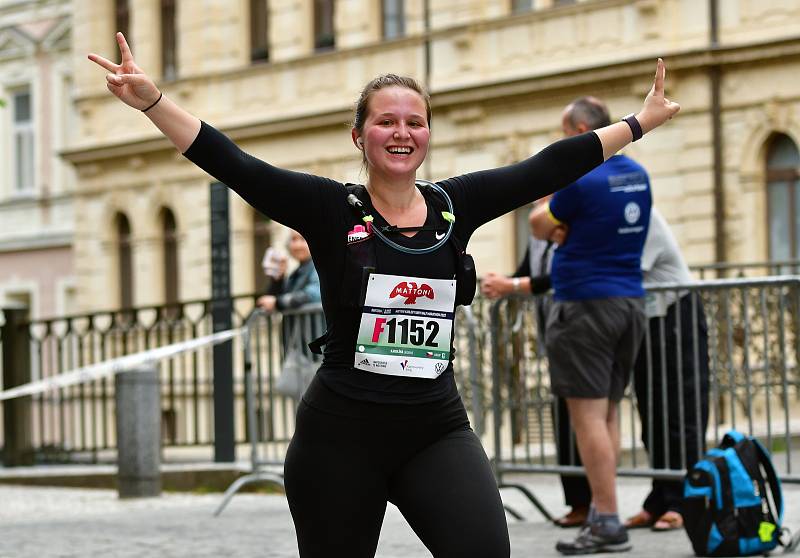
column 592, row 346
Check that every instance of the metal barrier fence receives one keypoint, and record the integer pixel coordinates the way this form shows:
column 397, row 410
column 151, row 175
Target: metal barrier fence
column 722, row 270
column 76, row 423
column 270, row 416
column 753, row 379
column 500, row 368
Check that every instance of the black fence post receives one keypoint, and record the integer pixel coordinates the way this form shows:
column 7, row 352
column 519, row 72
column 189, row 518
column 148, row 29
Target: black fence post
column 17, row 416
column 221, row 315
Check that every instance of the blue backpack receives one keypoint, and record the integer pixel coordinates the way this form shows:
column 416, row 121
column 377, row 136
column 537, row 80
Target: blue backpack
column 733, row 505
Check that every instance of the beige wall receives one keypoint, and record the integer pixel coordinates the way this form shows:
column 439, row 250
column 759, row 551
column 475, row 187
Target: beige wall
column 499, row 82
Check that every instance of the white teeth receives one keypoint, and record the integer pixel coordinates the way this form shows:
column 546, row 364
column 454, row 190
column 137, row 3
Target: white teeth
column 400, row 150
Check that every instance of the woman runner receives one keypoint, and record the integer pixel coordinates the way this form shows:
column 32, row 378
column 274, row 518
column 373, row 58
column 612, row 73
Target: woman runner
column 383, row 421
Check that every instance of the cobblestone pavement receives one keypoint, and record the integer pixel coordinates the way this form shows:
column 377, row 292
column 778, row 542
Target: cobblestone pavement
column 67, row 522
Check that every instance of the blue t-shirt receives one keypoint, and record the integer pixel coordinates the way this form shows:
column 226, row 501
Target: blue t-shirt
column 608, row 212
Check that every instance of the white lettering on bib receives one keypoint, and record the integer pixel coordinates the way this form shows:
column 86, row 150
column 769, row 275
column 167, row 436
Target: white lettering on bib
column 405, row 326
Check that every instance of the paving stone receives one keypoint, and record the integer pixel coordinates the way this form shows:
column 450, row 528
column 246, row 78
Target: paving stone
column 68, row 522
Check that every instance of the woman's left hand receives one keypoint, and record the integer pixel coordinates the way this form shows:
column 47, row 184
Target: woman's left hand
column 657, row 108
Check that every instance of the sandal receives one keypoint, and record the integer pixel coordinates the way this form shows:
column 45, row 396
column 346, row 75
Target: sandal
column 575, row 518
column 670, row 521
column 641, row 520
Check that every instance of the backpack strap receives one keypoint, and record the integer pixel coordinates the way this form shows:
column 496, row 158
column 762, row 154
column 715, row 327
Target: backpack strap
column 774, row 482
column 775, row 487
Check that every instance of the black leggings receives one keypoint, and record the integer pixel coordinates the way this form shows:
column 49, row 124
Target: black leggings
column 661, row 387
column 341, row 470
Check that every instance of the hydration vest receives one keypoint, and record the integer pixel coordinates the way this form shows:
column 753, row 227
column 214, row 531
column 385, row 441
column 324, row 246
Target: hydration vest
column 361, row 256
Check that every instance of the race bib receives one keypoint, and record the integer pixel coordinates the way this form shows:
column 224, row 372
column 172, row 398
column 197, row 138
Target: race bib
column 405, row 326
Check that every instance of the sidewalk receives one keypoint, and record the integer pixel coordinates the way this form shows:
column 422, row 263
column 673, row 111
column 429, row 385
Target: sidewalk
column 67, row 522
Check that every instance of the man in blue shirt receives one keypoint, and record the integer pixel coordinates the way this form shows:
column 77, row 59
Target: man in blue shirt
column 597, row 320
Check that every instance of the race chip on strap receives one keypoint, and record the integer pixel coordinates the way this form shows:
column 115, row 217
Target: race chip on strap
column 405, row 326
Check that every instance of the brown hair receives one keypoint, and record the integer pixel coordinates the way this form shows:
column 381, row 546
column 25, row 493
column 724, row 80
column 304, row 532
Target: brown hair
column 380, row 82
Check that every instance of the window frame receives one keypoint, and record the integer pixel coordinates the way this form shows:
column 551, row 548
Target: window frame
column 791, row 176
column 170, row 256
column 168, row 13
column 259, row 31
column 324, row 41
column 122, row 23
column 399, row 18
column 25, row 130
column 125, row 264
column 514, row 7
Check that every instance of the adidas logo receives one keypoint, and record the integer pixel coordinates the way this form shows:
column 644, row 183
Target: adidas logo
column 364, row 362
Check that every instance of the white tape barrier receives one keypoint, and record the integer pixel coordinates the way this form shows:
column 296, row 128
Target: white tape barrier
column 111, row 367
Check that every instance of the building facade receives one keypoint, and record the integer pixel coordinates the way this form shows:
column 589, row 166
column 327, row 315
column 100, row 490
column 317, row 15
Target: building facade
column 281, row 76
column 37, row 120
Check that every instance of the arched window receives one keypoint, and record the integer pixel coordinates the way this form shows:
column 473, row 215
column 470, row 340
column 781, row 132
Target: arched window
column 783, row 198
column 169, row 250
column 122, row 228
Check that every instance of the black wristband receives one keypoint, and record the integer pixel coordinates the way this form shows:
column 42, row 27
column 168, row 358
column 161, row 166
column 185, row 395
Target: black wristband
column 636, row 128
column 160, row 94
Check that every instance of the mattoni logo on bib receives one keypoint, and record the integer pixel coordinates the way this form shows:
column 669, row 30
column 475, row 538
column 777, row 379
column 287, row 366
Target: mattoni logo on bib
column 410, row 291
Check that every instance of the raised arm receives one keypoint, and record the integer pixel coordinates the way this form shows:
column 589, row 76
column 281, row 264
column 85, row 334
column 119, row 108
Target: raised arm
column 297, row 200
column 134, row 88
column 485, row 195
column 657, row 109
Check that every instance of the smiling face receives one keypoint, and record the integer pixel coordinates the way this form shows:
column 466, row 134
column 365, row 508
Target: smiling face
column 395, row 134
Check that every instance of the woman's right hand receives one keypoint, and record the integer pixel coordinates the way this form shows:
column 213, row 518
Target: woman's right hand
column 657, row 108
column 126, row 80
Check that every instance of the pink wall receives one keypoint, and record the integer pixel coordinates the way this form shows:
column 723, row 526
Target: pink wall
column 44, row 268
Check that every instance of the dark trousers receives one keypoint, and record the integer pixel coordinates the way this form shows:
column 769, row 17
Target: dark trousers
column 679, row 378
column 348, row 458
column 577, row 493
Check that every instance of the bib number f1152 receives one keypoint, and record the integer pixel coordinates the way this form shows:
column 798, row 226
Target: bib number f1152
column 405, row 326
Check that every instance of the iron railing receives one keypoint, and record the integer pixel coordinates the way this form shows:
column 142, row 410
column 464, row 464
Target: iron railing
column 754, row 381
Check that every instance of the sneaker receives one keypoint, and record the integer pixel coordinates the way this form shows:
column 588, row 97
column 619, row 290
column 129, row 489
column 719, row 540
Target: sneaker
column 591, row 541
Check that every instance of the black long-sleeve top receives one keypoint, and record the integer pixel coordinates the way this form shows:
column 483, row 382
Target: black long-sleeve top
column 316, row 207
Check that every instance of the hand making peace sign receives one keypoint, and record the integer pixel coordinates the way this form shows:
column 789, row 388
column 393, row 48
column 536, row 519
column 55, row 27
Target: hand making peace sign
column 127, row 81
